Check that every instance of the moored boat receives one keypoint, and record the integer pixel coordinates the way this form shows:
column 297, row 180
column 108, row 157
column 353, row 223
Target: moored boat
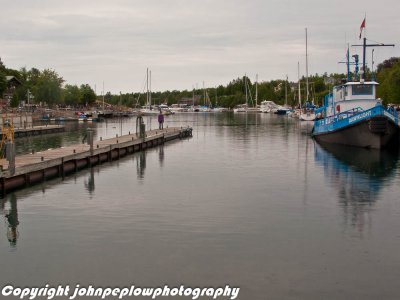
column 352, row 115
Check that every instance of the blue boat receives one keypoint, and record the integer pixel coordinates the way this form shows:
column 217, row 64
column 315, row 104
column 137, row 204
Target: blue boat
column 352, row 115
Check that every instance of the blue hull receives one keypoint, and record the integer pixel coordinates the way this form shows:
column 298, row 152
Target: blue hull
column 374, row 128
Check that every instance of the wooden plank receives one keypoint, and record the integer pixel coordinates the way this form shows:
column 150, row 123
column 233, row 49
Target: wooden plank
column 52, row 157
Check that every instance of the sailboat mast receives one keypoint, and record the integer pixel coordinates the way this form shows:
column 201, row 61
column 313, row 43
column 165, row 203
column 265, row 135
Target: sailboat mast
column 204, row 92
column 286, row 90
column 193, row 95
column 103, row 96
column 256, row 89
column 216, row 96
column 245, row 85
column 298, row 76
column 307, row 91
column 150, row 90
column 147, row 87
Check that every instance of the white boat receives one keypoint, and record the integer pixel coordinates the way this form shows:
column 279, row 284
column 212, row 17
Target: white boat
column 148, row 110
column 308, row 113
column 176, row 108
column 267, row 106
column 240, row 108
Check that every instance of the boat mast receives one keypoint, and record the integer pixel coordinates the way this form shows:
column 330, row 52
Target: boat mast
column 204, row 92
column 365, row 45
column 286, row 90
column 256, row 89
column 147, row 87
column 193, row 95
column 307, row 91
column 103, row 97
column 298, row 76
column 216, row 96
column 245, row 85
column 150, row 90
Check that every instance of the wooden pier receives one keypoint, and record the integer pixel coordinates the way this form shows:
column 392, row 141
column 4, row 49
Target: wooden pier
column 39, row 166
column 36, row 130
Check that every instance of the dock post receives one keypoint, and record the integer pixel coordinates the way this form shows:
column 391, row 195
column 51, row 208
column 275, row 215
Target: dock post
column 90, row 139
column 10, row 156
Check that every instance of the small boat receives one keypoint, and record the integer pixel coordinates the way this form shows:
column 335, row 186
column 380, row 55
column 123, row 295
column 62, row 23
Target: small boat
column 241, row 108
column 282, row 110
column 308, row 113
column 267, row 106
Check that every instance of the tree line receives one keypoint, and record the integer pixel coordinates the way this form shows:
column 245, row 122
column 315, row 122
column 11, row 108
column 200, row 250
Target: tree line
column 48, row 87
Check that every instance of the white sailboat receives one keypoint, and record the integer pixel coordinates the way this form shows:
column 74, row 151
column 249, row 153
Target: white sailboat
column 148, row 110
column 242, row 107
column 308, row 113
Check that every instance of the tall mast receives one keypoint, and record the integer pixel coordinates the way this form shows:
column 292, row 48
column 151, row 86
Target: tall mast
column 147, row 86
column 348, row 62
column 245, row 85
column 286, row 90
column 365, row 45
column 256, row 89
column 150, row 90
column 204, row 92
column 193, row 95
column 216, row 96
column 307, row 91
column 103, row 96
column 298, row 76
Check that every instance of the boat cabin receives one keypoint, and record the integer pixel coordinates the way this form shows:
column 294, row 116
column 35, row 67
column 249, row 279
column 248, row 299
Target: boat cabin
column 352, row 96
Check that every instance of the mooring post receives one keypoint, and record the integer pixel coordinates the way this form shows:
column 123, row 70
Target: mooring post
column 90, row 139
column 10, row 156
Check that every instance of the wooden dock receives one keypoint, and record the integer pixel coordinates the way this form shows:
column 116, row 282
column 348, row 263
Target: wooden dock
column 36, row 130
column 39, row 166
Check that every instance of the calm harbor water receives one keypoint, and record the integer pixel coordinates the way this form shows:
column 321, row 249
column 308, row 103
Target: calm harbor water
column 250, row 201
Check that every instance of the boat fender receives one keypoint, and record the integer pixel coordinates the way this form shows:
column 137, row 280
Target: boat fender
column 338, row 107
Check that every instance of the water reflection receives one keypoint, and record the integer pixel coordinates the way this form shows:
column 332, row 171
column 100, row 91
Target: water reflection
column 89, row 182
column 11, row 218
column 358, row 175
column 141, row 164
column 161, row 154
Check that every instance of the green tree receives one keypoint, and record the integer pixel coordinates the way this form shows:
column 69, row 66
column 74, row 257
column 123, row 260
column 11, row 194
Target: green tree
column 48, row 88
column 14, row 100
column 389, row 78
column 3, row 83
column 88, row 95
column 72, row 95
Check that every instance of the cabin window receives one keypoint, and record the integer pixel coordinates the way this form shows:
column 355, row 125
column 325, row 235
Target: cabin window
column 362, row 89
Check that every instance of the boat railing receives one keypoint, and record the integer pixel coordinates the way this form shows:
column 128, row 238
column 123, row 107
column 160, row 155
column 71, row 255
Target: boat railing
column 340, row 116
column 335, row 121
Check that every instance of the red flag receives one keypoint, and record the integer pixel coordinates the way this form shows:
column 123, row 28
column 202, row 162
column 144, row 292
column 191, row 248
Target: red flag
column 362, row 27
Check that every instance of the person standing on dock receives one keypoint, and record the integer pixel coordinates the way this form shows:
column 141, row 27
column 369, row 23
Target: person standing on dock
column 161, row 120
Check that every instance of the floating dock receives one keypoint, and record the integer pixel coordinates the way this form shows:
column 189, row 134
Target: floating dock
column 36, row 130
column 36, row 167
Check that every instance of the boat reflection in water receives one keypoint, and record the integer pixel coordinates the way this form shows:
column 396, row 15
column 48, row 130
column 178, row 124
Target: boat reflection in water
column 11, row 217
column 358, row 175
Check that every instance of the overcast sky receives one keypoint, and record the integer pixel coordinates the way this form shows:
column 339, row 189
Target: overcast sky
column 186, row 42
